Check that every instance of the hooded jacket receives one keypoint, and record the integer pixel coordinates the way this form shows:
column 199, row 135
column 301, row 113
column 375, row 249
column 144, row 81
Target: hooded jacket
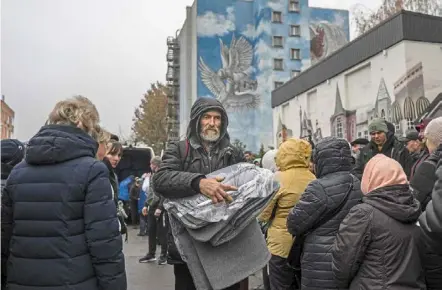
column 184, row 165
column 59, row 219
column 377, row 243
column 424, row 178
column 431, row 226
column 293, row 159
column 332, row 159
column 391, row 148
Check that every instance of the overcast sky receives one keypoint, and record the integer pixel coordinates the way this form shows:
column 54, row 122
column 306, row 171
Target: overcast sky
column 107, row 50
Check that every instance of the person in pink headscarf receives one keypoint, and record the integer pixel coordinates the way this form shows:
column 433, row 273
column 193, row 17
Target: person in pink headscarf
column 377, row 243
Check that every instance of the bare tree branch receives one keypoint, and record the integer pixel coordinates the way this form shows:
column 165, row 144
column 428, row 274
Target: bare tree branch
column 365, row 19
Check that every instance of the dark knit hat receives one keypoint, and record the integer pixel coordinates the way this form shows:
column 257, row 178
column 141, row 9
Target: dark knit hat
column 378, row 125
column 12, row 152
column 411, row 135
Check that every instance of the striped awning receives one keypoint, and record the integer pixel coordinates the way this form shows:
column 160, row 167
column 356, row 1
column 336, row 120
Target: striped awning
column 421, row 105
column 409, row 109
column 396, row 113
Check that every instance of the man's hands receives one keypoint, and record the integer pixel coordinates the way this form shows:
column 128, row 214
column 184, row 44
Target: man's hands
column 215, row 190
column 146, row 175
column 157, row 212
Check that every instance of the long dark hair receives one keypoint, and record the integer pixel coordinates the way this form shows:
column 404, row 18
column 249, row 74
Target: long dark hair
column 114, row 148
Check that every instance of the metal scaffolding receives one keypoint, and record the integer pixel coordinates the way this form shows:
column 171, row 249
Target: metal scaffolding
column 173, row 84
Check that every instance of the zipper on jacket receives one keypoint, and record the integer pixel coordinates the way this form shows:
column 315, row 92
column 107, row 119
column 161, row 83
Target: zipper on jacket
column 209, row 155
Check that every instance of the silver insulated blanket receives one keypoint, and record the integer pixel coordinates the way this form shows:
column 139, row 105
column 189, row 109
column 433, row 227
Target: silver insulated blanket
column 222, row 244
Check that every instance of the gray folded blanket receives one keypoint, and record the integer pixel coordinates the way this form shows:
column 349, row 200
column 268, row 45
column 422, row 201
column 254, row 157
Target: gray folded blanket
column 222, row 244
column 219, row 267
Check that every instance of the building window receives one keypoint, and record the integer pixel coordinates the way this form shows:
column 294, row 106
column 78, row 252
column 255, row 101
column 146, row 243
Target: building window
column 295, row 73
column 366, row 134
column 294, row 6
column 339, row 128
column 278, row 64
column 277, row 17
column 359, row 134
column 278, row 41
column 383, row 114
column 278, row 84
column 410, row 124
column 295, row 30
column 295, row 53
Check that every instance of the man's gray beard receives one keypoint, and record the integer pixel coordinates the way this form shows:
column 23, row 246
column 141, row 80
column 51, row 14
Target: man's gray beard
column 210, row 137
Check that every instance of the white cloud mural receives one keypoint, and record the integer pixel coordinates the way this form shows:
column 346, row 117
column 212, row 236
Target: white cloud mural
column 253, row 32
column 305, row 64
column 277, row 5
column 211, row 24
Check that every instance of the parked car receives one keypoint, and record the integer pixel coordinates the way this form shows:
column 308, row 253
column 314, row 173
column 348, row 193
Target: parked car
column 135, row 161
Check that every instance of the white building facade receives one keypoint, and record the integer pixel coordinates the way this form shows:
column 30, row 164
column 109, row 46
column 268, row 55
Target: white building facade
column 399, row 81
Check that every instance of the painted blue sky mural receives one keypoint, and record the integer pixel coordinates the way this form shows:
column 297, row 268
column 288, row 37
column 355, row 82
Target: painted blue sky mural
column 237, row 56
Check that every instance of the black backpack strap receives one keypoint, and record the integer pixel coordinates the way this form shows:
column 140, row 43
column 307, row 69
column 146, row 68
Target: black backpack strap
column 184, row 148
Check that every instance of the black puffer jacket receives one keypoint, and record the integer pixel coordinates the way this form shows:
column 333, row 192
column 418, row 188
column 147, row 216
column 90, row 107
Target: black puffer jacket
column 431, row 226
column 332, row 159
column 377, row 243
column 59, row 219
column 424, row 178
column 186, row 162
column 419, row 158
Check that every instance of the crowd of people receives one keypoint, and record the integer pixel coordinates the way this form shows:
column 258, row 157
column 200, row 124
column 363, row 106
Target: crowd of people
column 359, row 215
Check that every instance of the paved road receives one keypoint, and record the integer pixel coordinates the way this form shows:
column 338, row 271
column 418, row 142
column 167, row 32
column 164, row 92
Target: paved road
column 150, row 275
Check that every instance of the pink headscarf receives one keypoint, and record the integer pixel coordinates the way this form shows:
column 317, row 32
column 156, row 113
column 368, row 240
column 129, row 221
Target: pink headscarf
column 382, row 171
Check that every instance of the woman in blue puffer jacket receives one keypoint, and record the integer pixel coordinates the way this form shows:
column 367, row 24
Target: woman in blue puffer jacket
column 58, row 216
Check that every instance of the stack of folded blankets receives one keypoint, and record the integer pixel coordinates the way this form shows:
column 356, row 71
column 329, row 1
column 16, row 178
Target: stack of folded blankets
column 222, row 244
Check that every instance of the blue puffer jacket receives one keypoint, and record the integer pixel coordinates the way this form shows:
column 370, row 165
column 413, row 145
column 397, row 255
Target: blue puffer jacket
column 59, row 219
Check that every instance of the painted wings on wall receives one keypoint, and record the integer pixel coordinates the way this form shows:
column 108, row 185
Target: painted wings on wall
column 238, row 57
column 232, row 84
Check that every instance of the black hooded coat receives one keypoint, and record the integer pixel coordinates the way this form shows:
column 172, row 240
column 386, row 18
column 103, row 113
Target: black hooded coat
column 377, row 244
column 332, row 159
column 186, row 162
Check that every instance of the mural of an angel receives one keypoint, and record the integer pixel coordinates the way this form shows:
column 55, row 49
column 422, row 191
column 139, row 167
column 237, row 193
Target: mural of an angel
column 326, row 38
column 232, row 84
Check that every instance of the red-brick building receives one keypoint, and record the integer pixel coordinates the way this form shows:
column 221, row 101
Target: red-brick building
column 7, row 126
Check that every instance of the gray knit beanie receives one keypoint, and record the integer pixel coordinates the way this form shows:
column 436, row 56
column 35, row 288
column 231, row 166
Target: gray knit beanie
column 378, row 125
column 433, row 131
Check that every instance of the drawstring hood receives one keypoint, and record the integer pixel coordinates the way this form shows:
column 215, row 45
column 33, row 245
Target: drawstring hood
column 201, row 106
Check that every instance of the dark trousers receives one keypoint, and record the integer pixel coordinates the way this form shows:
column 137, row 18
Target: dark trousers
column 134, row 211
column 281, row 276
column 184, row 281
column 158, row 227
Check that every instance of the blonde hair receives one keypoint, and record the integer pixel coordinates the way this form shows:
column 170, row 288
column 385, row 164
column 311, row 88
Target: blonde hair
column 77, row 111
column 101, row 135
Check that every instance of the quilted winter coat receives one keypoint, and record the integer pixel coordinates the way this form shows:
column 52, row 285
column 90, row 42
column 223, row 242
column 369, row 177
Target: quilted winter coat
column 59, row 218
column 333, row 162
